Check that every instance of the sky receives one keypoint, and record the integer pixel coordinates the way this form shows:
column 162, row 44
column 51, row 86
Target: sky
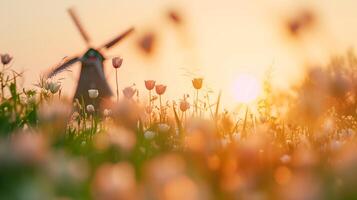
column 220, row 40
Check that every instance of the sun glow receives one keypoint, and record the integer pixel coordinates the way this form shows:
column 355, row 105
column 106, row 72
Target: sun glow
column 246, row 88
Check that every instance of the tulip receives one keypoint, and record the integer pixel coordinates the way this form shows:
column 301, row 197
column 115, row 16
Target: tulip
column 117, row 62
column 184, row 105
column 197, row 83
column 129, row 92
column 90, row 108
column 5, row 59
column 160, row 89
column 107, row 112
column 149, row 84
column 54, row 87
column 149, row 135
column 93, row 93
column 163, row 127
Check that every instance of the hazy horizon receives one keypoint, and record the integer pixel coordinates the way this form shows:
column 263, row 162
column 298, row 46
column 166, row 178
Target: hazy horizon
column 231, row 38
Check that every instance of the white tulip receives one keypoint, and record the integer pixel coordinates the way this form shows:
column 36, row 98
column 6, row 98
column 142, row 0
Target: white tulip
column 90, row 108
column 163, row 127
column 52, row 86
column 149, row 135
column 107, row 112
column 93, row 93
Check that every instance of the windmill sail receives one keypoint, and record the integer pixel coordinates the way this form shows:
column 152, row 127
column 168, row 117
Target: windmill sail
column 78, row 24
column 118, row 38
column 64, row 66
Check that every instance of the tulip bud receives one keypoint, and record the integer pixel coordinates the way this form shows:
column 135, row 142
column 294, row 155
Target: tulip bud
column 197, row 83
column 149, row 135
column 55, row 86
column 160, row 89
column 184, row 105
column 5, row 59
column 93, row 93
column 150, row 84
column 129, row 92
column 117, row 62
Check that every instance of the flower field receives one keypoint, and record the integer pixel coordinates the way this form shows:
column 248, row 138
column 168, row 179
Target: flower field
column 294, row 145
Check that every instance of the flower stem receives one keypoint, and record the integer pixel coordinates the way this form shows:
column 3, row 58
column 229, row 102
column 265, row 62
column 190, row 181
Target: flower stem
column 150, row 107
column 160, row 109
column 196, row 104
column 116, row 79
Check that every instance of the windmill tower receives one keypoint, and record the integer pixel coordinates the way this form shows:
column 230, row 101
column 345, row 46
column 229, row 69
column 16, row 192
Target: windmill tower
column 92, row 72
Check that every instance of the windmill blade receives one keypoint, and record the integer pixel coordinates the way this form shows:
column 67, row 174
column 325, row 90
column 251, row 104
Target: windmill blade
column 64, row 66
column 119, row 38
column 75, row 18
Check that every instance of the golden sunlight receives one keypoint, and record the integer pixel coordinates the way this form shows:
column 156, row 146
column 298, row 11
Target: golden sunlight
column 246, row 88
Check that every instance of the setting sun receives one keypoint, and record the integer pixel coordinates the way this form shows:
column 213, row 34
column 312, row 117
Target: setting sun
column 246, row 88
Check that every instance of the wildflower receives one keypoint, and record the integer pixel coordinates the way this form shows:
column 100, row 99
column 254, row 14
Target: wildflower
column 160, row 89
column 129, row 92
column 93, row 93
column 117, row 62
column 5, row 59
column 90, row 108
column 149, row 84
column 163, row 127
column 285, row 158
column 197, row 83
column 149, row 135
column 184, row 105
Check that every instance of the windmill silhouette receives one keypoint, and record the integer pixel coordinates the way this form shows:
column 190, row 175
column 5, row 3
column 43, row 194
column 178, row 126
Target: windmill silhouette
column 92, row 73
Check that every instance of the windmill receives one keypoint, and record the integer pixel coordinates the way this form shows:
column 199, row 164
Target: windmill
column 92, row 73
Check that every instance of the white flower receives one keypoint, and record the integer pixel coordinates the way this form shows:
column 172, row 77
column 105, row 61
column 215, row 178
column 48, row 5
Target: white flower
column 90, row 108
column 163, row 127
column 93, row 93
column 52, row 86
column 149, row 135
column 285, row 158
column 107, row 112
